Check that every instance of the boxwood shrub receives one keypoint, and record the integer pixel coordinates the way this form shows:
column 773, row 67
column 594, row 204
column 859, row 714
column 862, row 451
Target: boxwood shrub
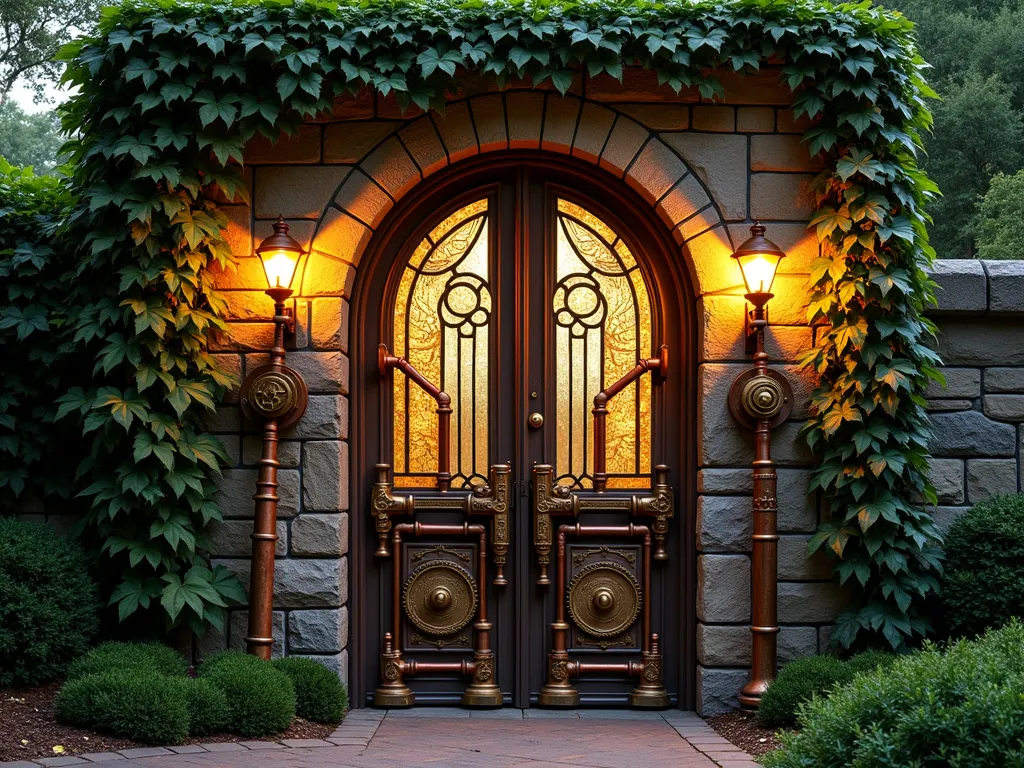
column 260, row 698
column 137, row 657
column 48, row 603
column 207, row 707
column 146, row 706
column 319, row 695
column 959, row 707
column 801, row 680
column 983, row 584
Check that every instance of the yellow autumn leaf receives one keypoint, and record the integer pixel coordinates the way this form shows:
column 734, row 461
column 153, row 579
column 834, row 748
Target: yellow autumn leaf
column 58, row 750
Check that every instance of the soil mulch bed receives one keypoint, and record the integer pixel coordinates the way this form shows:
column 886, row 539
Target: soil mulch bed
column 29, row 728
column 741, row 728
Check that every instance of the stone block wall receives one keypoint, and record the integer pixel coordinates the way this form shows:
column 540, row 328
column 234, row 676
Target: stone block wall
column 978, row 416
column 708, row 169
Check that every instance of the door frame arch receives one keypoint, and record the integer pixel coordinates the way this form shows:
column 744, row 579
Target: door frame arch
column 663, row 261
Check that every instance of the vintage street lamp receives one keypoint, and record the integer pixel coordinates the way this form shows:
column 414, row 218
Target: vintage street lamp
column 277, row 396
column 761, row 399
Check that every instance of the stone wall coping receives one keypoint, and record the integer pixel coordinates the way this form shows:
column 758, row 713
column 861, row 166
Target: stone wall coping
column 978, row 287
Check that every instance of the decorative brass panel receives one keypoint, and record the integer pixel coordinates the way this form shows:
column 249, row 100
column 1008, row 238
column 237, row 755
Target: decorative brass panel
column 604, row 599
column 440, row 597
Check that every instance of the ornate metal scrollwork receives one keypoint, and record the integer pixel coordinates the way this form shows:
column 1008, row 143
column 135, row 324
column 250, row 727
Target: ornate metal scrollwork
column 548, row 500
column 661, row 506
column 492, row 499
column 384, row 506
column 440, row 598
column 604, row 599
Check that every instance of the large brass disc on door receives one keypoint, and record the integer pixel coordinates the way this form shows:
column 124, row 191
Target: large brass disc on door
column 604, row 599
column 440, row 597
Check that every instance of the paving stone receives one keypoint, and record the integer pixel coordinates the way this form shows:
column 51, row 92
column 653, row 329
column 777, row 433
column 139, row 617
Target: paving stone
column 947, row 475
column 223, row 746
column 720, row 161
column 962, row 287
column 19, row 764
column 56, row 762
column 323, row 631
column 718, row 689
column 350, row 142
column 723, row 588
column 970, row 433
column 1005, row 287
column 298, row 743
column 325, row 463
column 990, row 477
column 781, row 196
column 1004, row 379
column 262, row 745
column 724, row 523
column 101, row 757
column 320, row 535
column 187, row 749
column 1004, row 407
column 145, row 752
column 296, row 192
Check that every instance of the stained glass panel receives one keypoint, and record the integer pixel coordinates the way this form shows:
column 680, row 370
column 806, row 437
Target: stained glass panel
column 442, row 324
column 602, row 313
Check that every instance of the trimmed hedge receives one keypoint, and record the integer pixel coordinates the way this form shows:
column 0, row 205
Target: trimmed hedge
column 48, row 603
column 803, row 679
column 959, row 707
column 143, row 706
column 260, row 698
column 207, row 707
column 137, row 657
column 319, row 695
column 983, row 584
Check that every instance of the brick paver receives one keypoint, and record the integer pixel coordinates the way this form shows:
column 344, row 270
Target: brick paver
column 506, row 738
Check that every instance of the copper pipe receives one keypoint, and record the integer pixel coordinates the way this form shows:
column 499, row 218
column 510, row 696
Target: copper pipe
column 633, row 668
column 764, row 551
column 386, row 361
column 259, row 639
column 600, row 411
column 413, row 668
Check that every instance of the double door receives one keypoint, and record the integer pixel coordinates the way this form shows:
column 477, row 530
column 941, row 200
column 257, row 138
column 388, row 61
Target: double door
column 527, row 438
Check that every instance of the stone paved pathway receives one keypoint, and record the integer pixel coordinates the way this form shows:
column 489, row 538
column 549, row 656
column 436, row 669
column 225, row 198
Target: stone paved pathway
column 433, row 737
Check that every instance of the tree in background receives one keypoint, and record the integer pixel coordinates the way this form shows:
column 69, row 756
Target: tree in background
column 29, row 140
column 975, row 52
column 31, row 31
column 1002, row 211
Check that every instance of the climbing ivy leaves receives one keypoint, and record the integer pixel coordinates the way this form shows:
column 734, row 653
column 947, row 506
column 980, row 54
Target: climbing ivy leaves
column 170, row 92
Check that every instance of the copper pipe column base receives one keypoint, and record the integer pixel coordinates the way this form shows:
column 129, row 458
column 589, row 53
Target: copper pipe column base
column 482, row 692
column 650, row 693
column 558, row 691
column 392, row 692
column 752, row 693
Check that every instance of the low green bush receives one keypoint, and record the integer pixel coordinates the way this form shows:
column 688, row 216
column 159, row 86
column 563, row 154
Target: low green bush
column 48, row 603
column 319, row 695
column 150, row 708
column 207, row 707
column 797, row 682
column 983, row 585
column 959, row 707
column 138, row 657
column 260, row 698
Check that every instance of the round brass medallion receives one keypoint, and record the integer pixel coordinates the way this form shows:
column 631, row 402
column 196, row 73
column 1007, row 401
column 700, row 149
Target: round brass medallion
column 762, row 397
column 604, row 599
column 273, row 394
column 440, row 597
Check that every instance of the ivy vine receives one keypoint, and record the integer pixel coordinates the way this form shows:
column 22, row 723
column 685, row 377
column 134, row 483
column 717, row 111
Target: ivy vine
column 168, row 94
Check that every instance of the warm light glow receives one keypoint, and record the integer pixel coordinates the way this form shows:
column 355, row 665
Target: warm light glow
column 759, row 270
column 280, row 267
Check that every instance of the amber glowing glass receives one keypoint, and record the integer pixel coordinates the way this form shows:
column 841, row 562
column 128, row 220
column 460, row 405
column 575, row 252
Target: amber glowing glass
column 280, row 267
column 442, row 325
column 759, row 270
column 602, row 314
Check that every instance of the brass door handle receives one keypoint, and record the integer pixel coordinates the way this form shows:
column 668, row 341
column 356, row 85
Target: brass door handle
column 535, row 420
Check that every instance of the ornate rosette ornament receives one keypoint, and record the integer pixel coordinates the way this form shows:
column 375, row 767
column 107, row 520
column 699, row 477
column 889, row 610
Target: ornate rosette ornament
column 274, row 392
column 761, row 396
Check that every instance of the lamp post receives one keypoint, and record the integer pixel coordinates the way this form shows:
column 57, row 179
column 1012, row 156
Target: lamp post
column 277, row 396
column 761, row 399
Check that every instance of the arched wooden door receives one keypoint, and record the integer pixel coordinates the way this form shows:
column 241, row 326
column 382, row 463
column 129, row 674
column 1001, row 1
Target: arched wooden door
column 521, row 449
